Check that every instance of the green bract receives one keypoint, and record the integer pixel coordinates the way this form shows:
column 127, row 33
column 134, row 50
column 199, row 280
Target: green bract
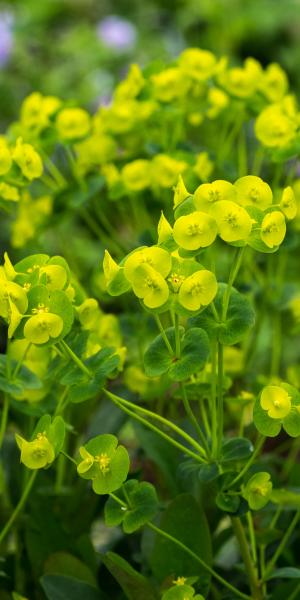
column 104, row 462
column 142, row 507
column 198, row 290
column 258, row 490
column 275, row 407
column 149, row 285
column 47, row 441
column 154, row 257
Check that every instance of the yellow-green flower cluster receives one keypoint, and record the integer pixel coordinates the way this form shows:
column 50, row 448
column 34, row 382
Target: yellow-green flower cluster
column 240, row 213
column 20, row 163
column 35, row 298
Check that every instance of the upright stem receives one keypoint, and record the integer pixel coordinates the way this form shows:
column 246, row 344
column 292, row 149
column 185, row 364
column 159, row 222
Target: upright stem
column 214, row 420
column 4, row 417
column 220, row 400
column 244, row 549
column 247, row 466
column 163, row 334
column 282, row 544
column 19, row 506
column 193, row 419
column 75, row 358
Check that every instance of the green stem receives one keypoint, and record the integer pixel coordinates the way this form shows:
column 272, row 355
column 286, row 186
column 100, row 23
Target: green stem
column 214, row 420
column 197, row 558
column 294, row 594
column 163, row 334
column 193, row 419
column 220, row 399
column 75, row 358
column 282, row 544
column 118, row 500
column 19, row 506
column 177, row 336
column 4, row 417
column 259, row 444
column 235, row 267
column 245, row 553
column 20, row 362
column 122, row 404
column 252, row 536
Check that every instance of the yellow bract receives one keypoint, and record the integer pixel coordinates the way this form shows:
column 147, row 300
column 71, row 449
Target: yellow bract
column 110, row 267
column 180, row 192
column 5, row 157
column 56, row 276
column 36, row 110
column 273, row 229
column 28, row 160
column 164, row 229
column 43, row 326
column 288, row 203
column 242, row 82
column 275, row 128
column 169, row 85
column 274, row 83
column 36, row 454
column 87, row 462
column 165, row 170
column 198, row 64
column 194, row 231
column 276, row 401
column 234, row 223
column 203, row 166
column 198, row 290
column 136, row 175
column 72, row 123
column 207, row 194
column 157, row 258
column 9, row 192
column 149, row 285
column 252, row 190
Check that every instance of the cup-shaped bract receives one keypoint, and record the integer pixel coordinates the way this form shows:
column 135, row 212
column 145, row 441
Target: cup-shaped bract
column 105, row 463
column 234, row 223
column 153, row 256
column 199, row 289
column 43, row 326
column 149, row 285
column 36, row 454
column 288, row 203
column 194, row 231
column 273, row 229
column 258, row 490
column 252, row 190
column 207, row 194
column 276, row 401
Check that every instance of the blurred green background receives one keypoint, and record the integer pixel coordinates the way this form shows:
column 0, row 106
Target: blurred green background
column 78, row 49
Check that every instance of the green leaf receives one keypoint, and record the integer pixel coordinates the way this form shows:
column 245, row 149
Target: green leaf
column 24, row 380
column 143, row 506
column 208, row 472
column 56, row 434
column 194, row 354
column 228, row 502
column 134, row 585
column 185, row 520
column 118, row 284
column 286, row 573
column 63, row 563
column 236, row 449
column 240, row 318
column 61, row 587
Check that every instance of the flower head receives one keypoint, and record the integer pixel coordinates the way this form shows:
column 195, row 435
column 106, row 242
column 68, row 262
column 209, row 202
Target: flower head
column 288, row 203
column 43, row 326
column 149, row 284
column 157, row 258
column 136, row 175
column 207, row 194
column 258, row 490
column 104, row 462
column 72, row 123
column 194, row 231
column 199, row 289
column 234, row 223
column 253, row 191
column 28, row 160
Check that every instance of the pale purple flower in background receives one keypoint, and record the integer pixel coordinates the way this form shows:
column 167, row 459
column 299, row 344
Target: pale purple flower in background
column 117, row 33
column 6, row 37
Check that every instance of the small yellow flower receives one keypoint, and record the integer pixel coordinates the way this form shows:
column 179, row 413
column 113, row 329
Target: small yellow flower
column 203, row 166
column 169, row 85
column 165, row 170
column 180, row 192
column 179, row 581
column 274, row 128
column 198, row 64
column 9, row 192
column 276, row 401
column 273, row 229
column 149, row 285
column 274, row 83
